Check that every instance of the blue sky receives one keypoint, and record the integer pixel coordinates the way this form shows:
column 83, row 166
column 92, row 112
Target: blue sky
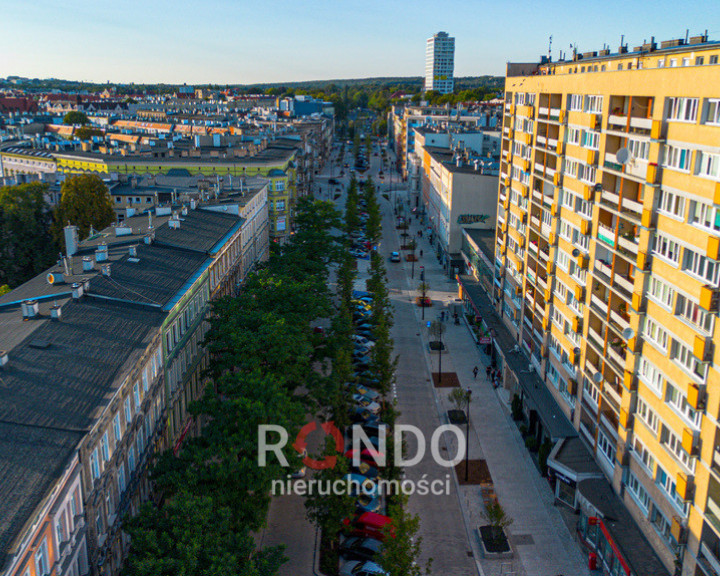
column 243, row 42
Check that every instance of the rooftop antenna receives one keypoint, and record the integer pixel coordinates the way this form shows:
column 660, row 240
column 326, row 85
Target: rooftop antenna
column 550, row 49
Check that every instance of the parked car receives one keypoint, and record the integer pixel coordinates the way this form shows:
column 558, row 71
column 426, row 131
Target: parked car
column 354, row 548
column 361, row 400
column 395, row 257
column 361, row 414
column 363, row 341
column 366, row 333
column 360, row 254
column 359, row 568
column 369, row 525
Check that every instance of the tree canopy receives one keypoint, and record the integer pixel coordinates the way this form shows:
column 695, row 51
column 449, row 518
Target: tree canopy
column 26, row 247
column 84, row 202
column 75, row 117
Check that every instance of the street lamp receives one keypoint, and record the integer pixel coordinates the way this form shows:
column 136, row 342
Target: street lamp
column 467, row 435
column 424, row 287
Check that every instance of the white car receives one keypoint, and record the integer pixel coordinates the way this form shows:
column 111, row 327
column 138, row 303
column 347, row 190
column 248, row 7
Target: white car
column 359, row 568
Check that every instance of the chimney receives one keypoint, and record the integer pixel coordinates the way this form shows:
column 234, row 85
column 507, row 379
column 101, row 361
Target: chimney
column 87, row 263
column 184, row 211
column 77, row 291
column 29, row 309
column 56, row 313
column 71, row 239
column 193, row 204
column 132, row 250
column 101, row 254
column 86, row 286
column 105, row 269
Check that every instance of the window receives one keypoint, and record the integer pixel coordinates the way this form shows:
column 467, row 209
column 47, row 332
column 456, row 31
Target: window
column 574, row 135
column 685, row 62
column 690, row 310
column 684, row 357
column 699, row 61
column 587, row 173
column 660, row 292
column 279, row 186
column 673, row 62
column 563, row 259
column 128, row 412
column 116, row 427
column 714, row 59
column 651, row 375
column 60, row 529
column 639, row 149
column 677, row 158
column 592, row 393
column 647, row 415
column 593, row 104
column 145, row 379
column 667, row 248
column 42, row 565
column 131, row 458
column 576, row 102
column 705, row 215
column 122, row 482
column 94, row 465
column 674, row 445
column 136, row 396
column 105, row 447
column 571, row 167
column 709, row 165
column 682, row 109
column 591, row 140
column 655, row 333
column 701, row 266
column 606, row 447
column 644, row 455
column 671, row 203
column 99, row 524
column 639, row 494
column 661, row 63
column 678, row 401
column 663, row 527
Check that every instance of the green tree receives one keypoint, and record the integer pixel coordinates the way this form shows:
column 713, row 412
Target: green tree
column 75, row 117
column 4, row 289
column 85, row 133
column 84, row 202
column 26, row 248
column 459, row 397
column 402, row 545
column 497, row 518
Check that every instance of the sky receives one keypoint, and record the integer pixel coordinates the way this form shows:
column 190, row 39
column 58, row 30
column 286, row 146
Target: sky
column 264, row 41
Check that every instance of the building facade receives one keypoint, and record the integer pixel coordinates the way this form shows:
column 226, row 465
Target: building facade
column 607, row 271
column 440, row 63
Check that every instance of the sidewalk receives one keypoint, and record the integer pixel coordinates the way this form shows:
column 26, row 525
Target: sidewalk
column 542, row 543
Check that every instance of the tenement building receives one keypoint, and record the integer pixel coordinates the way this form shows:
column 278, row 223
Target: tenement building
column 607, row 275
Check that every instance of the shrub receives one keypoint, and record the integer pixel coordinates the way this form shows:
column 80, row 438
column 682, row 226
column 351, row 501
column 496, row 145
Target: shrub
column 516, row 408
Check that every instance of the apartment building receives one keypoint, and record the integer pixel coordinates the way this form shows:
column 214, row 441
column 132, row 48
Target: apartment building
column 440, row 63
column 100, row 377
column 607, row 274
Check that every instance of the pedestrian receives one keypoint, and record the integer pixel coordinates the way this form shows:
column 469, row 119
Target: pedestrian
column 496, row 384
column 475, row 373
column 421, row 252
column 487, row 373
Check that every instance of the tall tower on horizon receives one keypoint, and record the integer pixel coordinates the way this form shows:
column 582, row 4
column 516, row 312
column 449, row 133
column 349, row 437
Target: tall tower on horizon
column 440, row 63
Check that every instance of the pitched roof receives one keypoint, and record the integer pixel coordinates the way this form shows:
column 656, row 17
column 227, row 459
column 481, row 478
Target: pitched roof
column 200, row 231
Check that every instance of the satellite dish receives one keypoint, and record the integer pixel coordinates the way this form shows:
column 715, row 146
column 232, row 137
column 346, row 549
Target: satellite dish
column 576, row 252
column 623, row 156
column 628, row 333
column 597, row 377
column 577, row 351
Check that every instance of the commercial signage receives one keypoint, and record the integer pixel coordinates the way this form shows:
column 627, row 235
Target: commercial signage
column 281, row 224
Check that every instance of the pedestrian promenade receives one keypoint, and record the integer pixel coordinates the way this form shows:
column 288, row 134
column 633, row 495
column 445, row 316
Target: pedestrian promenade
column 542, row 543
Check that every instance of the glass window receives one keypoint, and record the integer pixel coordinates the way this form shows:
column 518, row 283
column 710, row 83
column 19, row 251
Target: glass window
column 116, row 427
column 682, row 109
column 42, row 564
column 94, row 465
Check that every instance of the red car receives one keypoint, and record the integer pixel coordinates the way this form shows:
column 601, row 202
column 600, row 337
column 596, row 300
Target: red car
column 370, row 525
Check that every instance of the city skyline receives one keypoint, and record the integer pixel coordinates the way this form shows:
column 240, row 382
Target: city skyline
column 235, row 44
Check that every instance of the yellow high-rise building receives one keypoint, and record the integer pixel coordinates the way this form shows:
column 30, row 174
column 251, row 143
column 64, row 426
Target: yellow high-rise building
column 608, row 271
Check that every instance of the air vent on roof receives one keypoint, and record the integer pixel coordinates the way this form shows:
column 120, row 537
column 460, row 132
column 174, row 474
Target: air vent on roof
column 672, row 43
column 39, row 344
column 56, row 312
column 77, row 291
column 123, row 230
column 105, row 269
column 87, row 263
column 132, row 250
column 29, row 309
column 55, row 278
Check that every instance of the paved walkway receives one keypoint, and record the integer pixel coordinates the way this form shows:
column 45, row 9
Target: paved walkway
column 543, row 545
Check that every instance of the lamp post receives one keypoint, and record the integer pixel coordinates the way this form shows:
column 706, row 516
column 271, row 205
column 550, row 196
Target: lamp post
column 422, row 282
column 467, row 435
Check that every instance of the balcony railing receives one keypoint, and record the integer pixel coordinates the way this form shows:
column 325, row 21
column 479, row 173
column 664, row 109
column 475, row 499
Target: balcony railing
column 542, row 283
column 610, row 198
column 606, row 234
column 623, row 283
column 619, row 320
column 632, row 205
column 631, row 245
column 598, row 303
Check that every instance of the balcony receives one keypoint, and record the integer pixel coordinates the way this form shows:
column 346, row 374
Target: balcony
column 616, row 354
column 538, row 196
column 532, row 246
column 544, row 254
column 607, row 235
column 641, row 123
column 539, row 309
column 542, row 283
column 535, row 221
column 603, row 268
column 623, row 283
column 618, row 319
column 629, row 244
column 617, row 120
column 599, row 304
column 632, row 206
column 610, row 198
column 596, row 340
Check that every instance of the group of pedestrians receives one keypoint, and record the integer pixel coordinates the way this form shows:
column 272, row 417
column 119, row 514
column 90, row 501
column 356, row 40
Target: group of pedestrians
column 492, row 375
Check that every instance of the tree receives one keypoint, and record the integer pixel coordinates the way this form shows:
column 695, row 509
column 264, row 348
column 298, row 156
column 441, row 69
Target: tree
column 4, row 289
column 85, row 133
column 75, row 117
column 25, row 246
column 459, row 397
column 497, row 519
column 84, row 202
column 402, row 545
